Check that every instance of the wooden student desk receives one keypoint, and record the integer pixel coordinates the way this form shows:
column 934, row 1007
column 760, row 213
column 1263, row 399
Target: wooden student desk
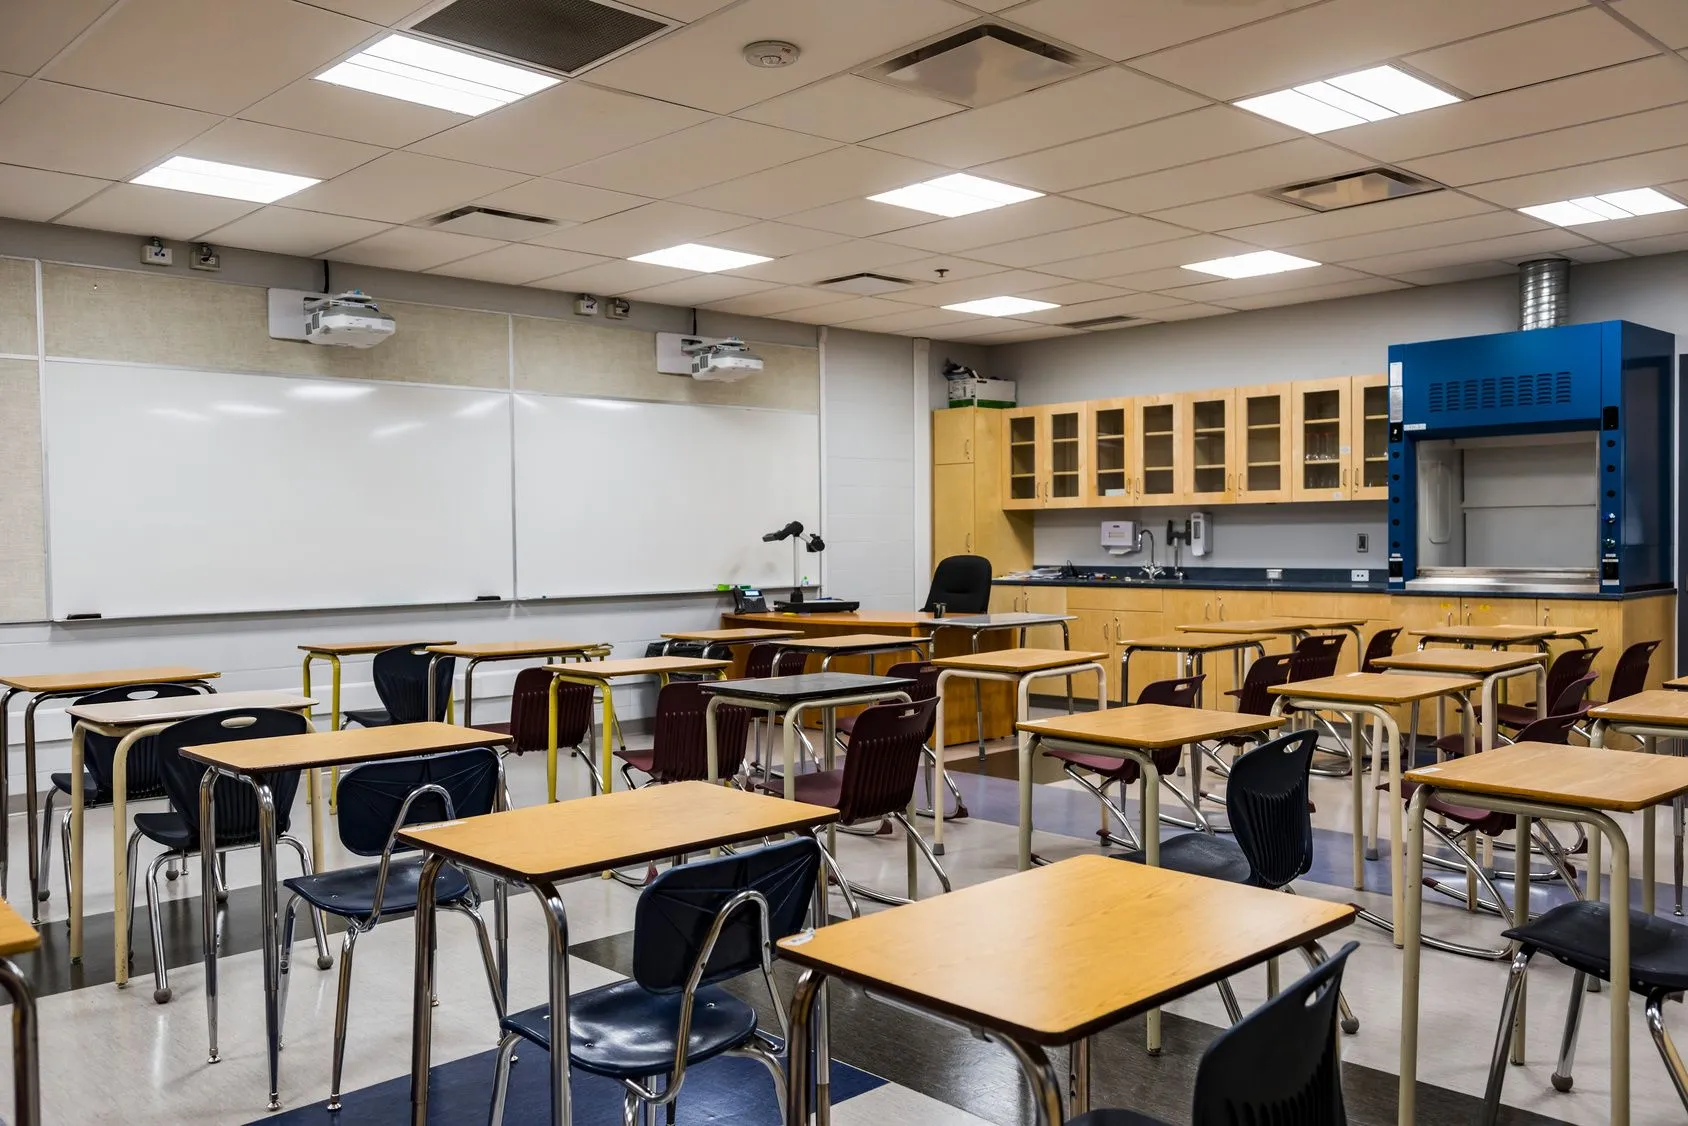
column 541, row 846
column 1018, row 622
column 1646, row 716
column 1492, row 665
column 1192, row 647
column 1291, row 627
column 726, row 639
column 1052, row 957
column 254, row 761
column 475, row 653
column 18, row 937
column 1538, row 780
column 128, row 722
column 332, row 652
column 64, row 686
column 1496, row 637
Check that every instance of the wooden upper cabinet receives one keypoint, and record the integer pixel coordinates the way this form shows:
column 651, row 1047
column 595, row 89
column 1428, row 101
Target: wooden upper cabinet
column 952, row 436
column 1261, row 441
column 1206, row 434
column 1321, row 439
column 1022, row 485
column 1113, row 453
column 1067, row 428
column 1369, row 479
column 1155, row 418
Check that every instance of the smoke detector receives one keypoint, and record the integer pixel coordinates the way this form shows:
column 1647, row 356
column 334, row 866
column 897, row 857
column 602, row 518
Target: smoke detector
column 771, row 54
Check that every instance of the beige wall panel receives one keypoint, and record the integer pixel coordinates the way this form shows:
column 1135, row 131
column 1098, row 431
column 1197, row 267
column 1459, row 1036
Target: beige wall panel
column 17, row 305
column 23, row 563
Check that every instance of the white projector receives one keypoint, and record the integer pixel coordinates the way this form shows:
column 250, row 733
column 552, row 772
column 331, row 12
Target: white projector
column 351, row 320
column 725, row 361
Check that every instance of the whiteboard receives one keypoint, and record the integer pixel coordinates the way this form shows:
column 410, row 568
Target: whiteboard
column 181, row 492
column 618, row 497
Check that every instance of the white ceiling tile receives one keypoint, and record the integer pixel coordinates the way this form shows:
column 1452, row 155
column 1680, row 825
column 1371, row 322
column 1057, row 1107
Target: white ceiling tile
column 1667, row 19
column 284, row 230
column 1021, row 335
column 774, row 302
column 1124, row 31
column 842, row 312
column 1448, row 232
column 833, row 261
column 8, row 83
column 1093, row 103
column 655, row 226
column 1660, row 244
column 1188, row 311
column 1229, row 213
column 29, row 193
column 841, row 173
column 683, row 11
column 138, row 210
column 1153, row 281
column 66, row 129
column 978, row 328
column 206, row 54
column 1556, row 148
column 552, row 199
column 1271, row 167
column 1155, row 256
column 1124, row 305
column 914, row 320
column 518, row 263
column 339, row 111
column 692, row 292
column 775, row 240
column 702, row 65
column 1320, row 226
column 956, row 269
column 1597, row 252
column 720, row 149
column 847, row 107
column 860, row 217
column 1577, row 41
column 32, row 33
column 1640, row 227
column 1226, row 289
column 556, row 128
column 400, row 187
column 1640, row 171
column 409, row 248
column 1076, row 293
column 613, row 278
column 1447, row 275
column 1116, row 234
column 1003, row 224
column 279, row 150
column 1005, row 283
column 384, row 12
column 1488, row 250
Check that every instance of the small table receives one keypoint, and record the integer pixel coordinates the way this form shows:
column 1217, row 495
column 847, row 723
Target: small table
column 1292, row 627
column 1679, row 684
column 712, row 639
column 1649, row 717
column 1495, row 637
column 1493, row 665
column 540, row 846
column 64, row 686
column 1363, row 695
column 602, row 676
column 979, row 624
column 1538, row 780
column 475, row 653
column 18, row 937
column 255, row 761
column 853, row 645
column 331, row 652
column 128, row 722
column 1051, row 957
column 1192, row 646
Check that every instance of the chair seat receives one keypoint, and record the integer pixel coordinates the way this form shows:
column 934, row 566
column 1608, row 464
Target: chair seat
column 1202, row 854
column 1484, row 821
column 821, row 787
column 171, row 830
column 624, row 1032
column 1578, row 934
column 350, row 892
column 500, row 728
column 368, row 717
column 846, row 724
column 1514, row 715
column 91, row 793
column 1114, row 769
column 1114, row 1118
column 641, row 760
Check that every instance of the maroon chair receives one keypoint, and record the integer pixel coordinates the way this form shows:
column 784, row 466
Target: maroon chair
column 925, row 677
column 1571, row 704
column 1567, row 668
column 760, row 663
column 1630, row 675
column 530, row 719
column 1316, row 656
column 679, row 750
column 1381, row 645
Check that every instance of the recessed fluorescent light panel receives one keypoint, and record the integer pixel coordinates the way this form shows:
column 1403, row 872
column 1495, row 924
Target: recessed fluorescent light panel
column 1349, row 99
column 231, row 181
column 1599, row 208
column 1255, row 265
column 1001, row 306
column 414, row 70
column 955, row 195
column 700, row 259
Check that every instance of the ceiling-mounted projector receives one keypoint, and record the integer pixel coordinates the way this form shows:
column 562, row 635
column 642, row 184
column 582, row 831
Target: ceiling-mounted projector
column 722, row 361
column 350, row 320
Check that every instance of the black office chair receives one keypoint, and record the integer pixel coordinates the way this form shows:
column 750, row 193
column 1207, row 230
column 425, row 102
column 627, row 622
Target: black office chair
column 1278, row 1066
column 962, row 583
column 696, row 926
column 376, row 801
column 401, row 680
column 237, row 813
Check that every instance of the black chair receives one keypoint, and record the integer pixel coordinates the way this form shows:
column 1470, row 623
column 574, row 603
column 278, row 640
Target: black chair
column 962, row 584
column 401, row 680
column 1281, row 1065
column 376, row 801
column 177, row 830
column 697, row 926
column 99, row 753
column 1579, row 935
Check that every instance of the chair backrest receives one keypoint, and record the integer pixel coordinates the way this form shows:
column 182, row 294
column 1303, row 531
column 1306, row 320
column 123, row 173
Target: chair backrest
column 1280, row 1063
column 680, row 750
column 924, row 675
column 675, row 913
column 1315, row 657
column 370, row 796
column 530, row 712
column 237, row 802
column 1572, row 699
column 1553, row 729
column 1381, row 645
column 1182, row 692
column 401, row 680
column 1566, row 668
column 1264, row 673
column 99, row 752
column 760, row 662
column 1266, row 797
column 1630, row 675
column 884, row 759
column 962, row 583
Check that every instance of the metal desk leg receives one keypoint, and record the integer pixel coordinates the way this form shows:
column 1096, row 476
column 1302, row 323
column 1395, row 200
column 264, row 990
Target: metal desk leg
column 557, row 925
column 1028, row 743
column 422, row 996
column 1046, row 1088
column 1649, row 819
column 1078, row 1077
column 31, row 816
column 6, row 795
column 1124, row 677
column 334, row 725
column 788, row 760
column 120, row 851
column 712, row 753
column 76, row 819
column 829, row 744
column 1394, row 748
column 272, row 952
column 1596, row 738
column 1677, row 808
column 979, row 704
column 938, row 769
column 606, row 753
column 805, row 1014
column 822, row 1020
column 1521, row 917
column 1407, row 926
column 26, row 1052
column 1357, row 794
column 468, row 691
column 1619, row 1001
column 1067, row 643
column 551, row 742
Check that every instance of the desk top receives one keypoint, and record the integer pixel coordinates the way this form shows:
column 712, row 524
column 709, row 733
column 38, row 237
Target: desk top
column 108, row 678
column 726, row 636
column 1491, row 635
column 341, row 748
column 1197, row 640
column 16, row 935
column 493, row 650
column 1657, row 706
column 1055, row 954
column 1274, row 625
column 855, row 642
column 1376, row 687
column 1018, row 660
column 897, row 619
column 1580, row 777
column 137, row 713
column 1473, row 662
column 1150, row 726
column 1680, row 683
column 636, row 666
column 545, row 843
column 356, row 648
column 806, row 686
column 978, row 623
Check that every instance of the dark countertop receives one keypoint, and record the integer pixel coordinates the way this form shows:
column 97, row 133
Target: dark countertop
column 1312, row 580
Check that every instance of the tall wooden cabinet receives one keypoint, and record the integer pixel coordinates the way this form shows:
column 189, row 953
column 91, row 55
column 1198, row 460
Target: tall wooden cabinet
column 968, row 516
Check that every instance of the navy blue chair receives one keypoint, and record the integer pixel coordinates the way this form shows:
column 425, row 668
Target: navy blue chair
column 696, row 926
column 401, row 680
column 238, row 813
column 376, row 801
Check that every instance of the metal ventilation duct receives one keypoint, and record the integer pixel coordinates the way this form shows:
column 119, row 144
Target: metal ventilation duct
column 1544, row 293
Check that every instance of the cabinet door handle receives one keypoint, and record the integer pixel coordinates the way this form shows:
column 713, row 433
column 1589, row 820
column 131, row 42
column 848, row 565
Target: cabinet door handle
column 969, row 542
column 1207, row 611
column 1221, row 609
column 1345, row 477
column 1104, row 632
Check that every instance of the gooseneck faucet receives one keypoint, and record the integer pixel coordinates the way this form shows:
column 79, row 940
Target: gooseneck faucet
column 1150, row 570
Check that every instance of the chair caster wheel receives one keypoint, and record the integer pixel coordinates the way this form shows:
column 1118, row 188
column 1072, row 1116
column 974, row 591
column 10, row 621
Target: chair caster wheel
column 1351, row 1026
column 1561, row 1083
column 43, row 896
column 172, row 875
column 1371, row 854
column 222, row 897
column 325, row 962
column 959, row 814
column 162, row 996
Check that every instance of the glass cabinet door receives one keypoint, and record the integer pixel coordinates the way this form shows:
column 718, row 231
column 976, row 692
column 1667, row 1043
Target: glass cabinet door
column 1022, row 487
column 1157, row 442
column 1207, row 419
column 1111, row 477
column 1321, row 439
column 1369, row 476
column 1067, row 456
column 1261, row 444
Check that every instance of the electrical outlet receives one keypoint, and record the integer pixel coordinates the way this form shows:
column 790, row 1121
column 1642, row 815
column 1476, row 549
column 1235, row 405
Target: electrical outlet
column 205, row 257
column 155, row 253
column 1274, row 574
column 1359, row 575
column 1362, row 542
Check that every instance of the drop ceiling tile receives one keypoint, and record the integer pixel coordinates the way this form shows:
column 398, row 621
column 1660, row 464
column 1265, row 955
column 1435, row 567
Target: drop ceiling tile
column 280, row 150
column 400, row 187
column 1022, row 335
column 862, row 218
column 1661, row 244
column 843, row 312
column 1320, row 40
column 556, row 128
column 833, row 261
column 1003, row 224
column 1093, row 103
column 1639, row 171
column 655, row 226
column 1229, row 213
column 1153, row 282
column 956, row 269
column 915, row 320
column 1126, row 305
column 138, row 210
column 1227, row 289
column 1273, row 166
column 339, row 111
column 1447, row 275
column 1578, row 41
column 613, row 278
column 1640, row 227
column 31, row 34
column 841, row 173
column 702, row 65
column 774, row 302
column 848, row 108
column 719, row 149
column 1188, row 311
column 518, row 263
column 284, row 230
column 1188, row 137
column 1598, row 252
column 1555, row 241
column 1005, row 283
column 85, row 132
column 692, row 292
column 1448, row 232
column 1124, row 31
column 775, row 240
column 1116, row 234
column 29, row 193
column 1319, row 226
column 385, row 12
column 206, row 54
column 552, row 199
column 8, row 83
column 1556, row 148
column 1077, row 293
column 980, row 328
column 1667, row 19
column 409, row 248
column 682, row 11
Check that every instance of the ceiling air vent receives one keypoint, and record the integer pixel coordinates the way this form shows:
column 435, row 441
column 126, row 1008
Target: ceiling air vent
column 486, row 222
column 560, row 35
column 867, row 285
column 1103, row 322
column 980, row 66
column 1352, row 189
